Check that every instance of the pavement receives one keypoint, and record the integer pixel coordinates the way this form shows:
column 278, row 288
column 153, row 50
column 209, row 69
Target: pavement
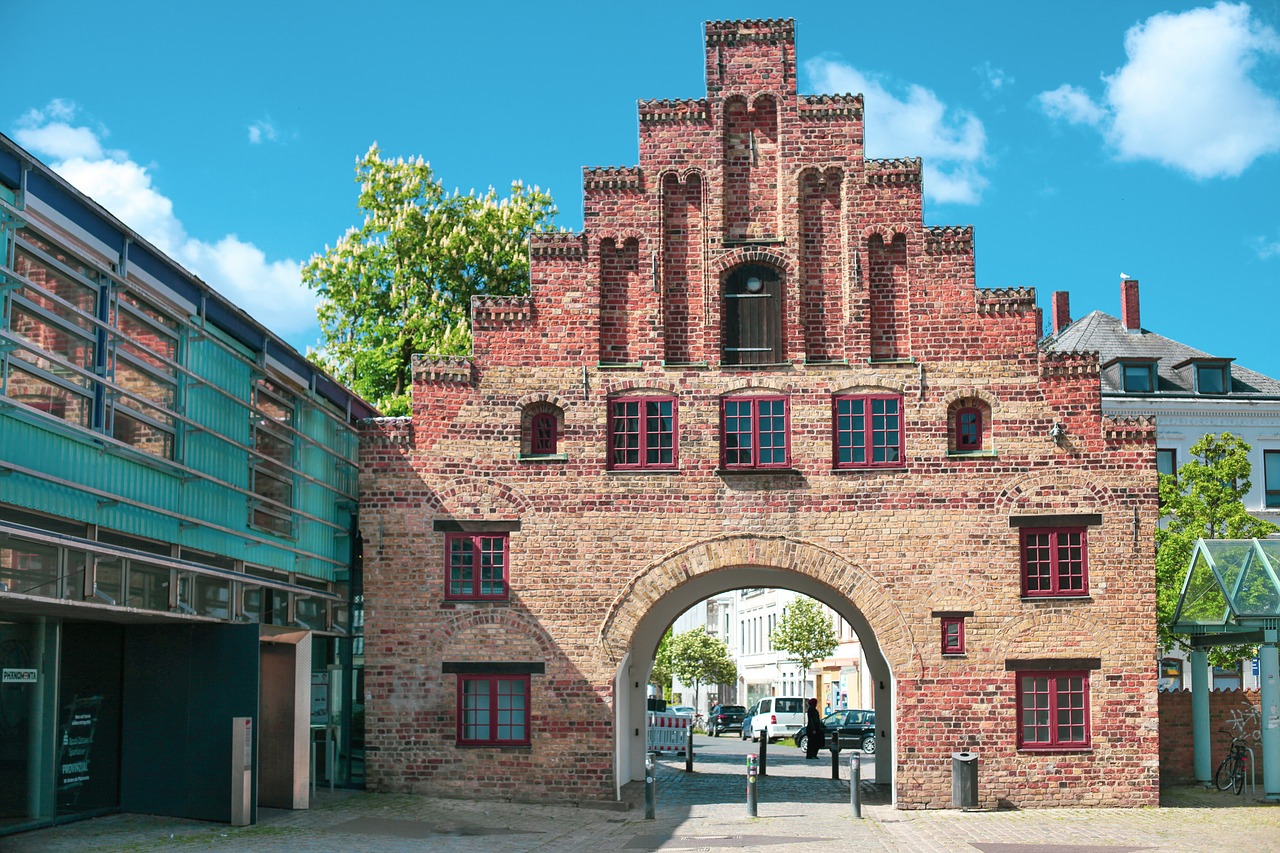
column 801, row 808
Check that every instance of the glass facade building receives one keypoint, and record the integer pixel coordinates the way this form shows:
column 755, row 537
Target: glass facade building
column 177, row 505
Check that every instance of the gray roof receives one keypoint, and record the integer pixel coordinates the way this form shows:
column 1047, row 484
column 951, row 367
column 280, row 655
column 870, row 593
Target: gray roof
column 1107, row 336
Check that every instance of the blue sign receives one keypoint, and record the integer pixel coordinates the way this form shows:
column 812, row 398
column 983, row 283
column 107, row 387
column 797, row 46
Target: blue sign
column 1254, row 667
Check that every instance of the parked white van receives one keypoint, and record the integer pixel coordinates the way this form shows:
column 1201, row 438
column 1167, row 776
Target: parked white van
column 783, row 716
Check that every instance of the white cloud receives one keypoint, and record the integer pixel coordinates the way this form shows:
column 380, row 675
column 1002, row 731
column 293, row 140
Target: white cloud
column 952, row 142
column 262, row 130
column 1187, row 96
column 1265, row 248
column 1071, row 104
column 994, row 79
column 270, row 290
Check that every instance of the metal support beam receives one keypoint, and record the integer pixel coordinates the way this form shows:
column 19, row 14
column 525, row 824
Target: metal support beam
column 1269, row 674
column 1200, row 716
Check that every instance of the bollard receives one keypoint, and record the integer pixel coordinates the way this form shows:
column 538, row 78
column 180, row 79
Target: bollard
column 650, row 784
column 764, row 752
column 835, row 756
column 752, row 786
column 688, row 749
column 855, row 784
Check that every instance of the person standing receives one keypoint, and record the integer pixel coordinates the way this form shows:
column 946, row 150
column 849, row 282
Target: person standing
column 814, row 726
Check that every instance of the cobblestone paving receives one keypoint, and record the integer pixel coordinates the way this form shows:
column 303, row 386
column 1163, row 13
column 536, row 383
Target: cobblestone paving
column 800, row 809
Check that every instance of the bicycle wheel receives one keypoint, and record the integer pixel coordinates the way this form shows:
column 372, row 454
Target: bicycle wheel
column 1239, row 776
column 1226, row 775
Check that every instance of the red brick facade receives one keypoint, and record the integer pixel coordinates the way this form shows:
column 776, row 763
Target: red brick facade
column 1233, row 711
column 870, row 300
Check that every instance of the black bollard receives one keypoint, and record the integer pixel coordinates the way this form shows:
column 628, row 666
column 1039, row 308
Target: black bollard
column 650, row 784
column 835, row 756
column 764, row 752
column 752, row 786
column 688, row 749
column 855, row 783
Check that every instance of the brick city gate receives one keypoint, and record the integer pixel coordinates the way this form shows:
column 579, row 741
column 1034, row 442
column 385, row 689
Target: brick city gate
column 873, row 429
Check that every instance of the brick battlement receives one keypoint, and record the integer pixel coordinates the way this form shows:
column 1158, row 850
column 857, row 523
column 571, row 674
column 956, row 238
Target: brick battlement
column 1128, row 430
column 495, row 308
column 612, row 178
column 387, row 431
column 738, row 32
column 1011, row 300
column 948, row 238
column 441, row 368
column 694, row 109
column 1068, row 365
column 903, row 170
column 831, row 106
column 566, row 244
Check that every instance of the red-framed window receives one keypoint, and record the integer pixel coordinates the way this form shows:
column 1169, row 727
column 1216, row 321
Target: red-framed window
column 969, row 428
column 953, row 635
column 477, row 566
column 542, row 434
column 642, row 432
column 1055, row 561
column 1053, row 710
column 755, row 432
column 868, row 431
column 493, row 710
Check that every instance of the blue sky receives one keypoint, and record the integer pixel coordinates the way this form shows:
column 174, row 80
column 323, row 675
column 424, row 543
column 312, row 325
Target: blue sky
column 1081, row 139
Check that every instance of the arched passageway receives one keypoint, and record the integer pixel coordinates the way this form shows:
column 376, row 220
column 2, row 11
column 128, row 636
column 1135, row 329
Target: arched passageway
column 642, row 614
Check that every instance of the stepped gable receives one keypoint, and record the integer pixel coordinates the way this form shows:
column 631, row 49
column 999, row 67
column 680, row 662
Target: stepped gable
column 694, row 109
column 562, row 244
column 1116, row 430
column 442, row 368
column 897, row 170
column 1069, row 365
column 1010, row 300
column 948, row 238
column 770, row 30
column 494, row 308
column 611, row 178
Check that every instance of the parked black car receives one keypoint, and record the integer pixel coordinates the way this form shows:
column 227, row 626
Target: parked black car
column 857, row 730
column 725, row 718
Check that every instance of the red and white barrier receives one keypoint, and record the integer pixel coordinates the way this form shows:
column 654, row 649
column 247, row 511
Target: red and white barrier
column 668, row 733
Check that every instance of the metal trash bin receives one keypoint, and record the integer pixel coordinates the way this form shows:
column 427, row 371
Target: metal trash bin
column 964, row 780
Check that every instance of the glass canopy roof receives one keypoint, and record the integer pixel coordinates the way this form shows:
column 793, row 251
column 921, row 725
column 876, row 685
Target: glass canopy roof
column 1230, row 582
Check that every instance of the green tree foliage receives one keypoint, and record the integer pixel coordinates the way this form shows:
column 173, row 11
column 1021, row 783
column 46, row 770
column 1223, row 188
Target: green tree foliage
column 661, row 673
column 1205, row 500
column 402, row 282
column 699, row 658
column 805, row 632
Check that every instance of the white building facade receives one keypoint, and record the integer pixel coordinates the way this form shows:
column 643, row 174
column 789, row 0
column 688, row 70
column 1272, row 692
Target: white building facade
column 1190, row 394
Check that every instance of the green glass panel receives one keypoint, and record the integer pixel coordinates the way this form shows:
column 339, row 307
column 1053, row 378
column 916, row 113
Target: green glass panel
column 1256, row 594
column 1203, row 601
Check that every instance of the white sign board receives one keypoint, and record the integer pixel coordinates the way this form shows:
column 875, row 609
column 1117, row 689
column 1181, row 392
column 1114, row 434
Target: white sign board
column 19, row 676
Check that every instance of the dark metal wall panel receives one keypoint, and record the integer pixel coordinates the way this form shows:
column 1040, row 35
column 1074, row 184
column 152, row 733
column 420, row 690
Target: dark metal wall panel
column 10, row 170
column 43, row 188
column 182, row 686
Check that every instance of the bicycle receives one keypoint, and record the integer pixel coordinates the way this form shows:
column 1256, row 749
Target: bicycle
column 1231, row 771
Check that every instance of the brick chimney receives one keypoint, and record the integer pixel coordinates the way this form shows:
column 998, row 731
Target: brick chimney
column 1061, row 310
column 1129, row 306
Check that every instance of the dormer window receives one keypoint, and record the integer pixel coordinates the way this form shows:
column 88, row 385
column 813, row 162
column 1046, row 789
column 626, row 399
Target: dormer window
column 1211, row 379
column 1206, row 375
column 1139, row 378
